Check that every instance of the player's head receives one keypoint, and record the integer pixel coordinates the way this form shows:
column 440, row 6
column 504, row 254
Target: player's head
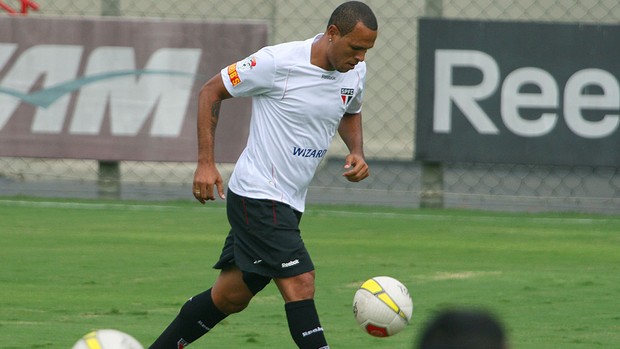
column 352, row 31
column 346, row 16
column 463, row 329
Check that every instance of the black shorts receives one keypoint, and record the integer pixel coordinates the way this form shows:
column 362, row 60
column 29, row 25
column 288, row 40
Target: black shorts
column 264, row 238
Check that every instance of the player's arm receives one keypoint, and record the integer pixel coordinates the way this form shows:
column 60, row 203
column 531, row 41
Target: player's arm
column 207, row 176
column 350, row 130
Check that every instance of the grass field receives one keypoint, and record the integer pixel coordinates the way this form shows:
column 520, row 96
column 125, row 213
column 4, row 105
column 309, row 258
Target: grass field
column 70, row 267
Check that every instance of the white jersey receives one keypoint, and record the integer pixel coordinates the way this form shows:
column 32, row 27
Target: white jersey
column 296, row 110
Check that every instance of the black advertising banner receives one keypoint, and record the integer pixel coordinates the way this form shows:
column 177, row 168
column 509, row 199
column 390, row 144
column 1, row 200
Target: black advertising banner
column 518, row 92
column 117, row 89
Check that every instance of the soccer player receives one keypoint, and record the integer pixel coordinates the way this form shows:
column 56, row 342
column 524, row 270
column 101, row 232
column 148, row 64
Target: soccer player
column 302, row 93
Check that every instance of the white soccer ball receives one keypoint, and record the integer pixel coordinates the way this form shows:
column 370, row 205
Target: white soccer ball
column 382, row 306
column 107, row 339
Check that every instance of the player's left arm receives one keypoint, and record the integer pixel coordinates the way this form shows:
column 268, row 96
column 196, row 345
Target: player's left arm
column 350, row 130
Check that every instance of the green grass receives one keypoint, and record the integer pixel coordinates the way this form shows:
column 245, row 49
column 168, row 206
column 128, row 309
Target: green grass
column 70, row 267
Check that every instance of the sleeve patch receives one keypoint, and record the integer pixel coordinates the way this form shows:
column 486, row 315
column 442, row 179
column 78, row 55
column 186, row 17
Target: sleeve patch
column 233, row 75
column 241, row 66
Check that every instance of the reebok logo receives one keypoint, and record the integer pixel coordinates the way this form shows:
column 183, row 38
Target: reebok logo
column 290, row 264
column 202, row 324
column 312, row 331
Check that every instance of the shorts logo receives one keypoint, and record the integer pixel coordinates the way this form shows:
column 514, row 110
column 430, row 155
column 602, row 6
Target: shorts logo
column 346, row 94
column 290, row 264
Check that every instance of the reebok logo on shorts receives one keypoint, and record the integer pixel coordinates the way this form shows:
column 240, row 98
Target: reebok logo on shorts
column 290, row 264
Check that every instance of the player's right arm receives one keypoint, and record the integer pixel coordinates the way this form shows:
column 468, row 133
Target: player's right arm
column 207, row 176
column 250, row 76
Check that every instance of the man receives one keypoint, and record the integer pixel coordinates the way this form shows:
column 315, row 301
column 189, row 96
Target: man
column 302, row 93
column 463, row 329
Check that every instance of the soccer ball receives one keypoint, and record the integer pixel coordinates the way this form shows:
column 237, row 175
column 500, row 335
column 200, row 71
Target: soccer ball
column 382, row 306
column 107, row 339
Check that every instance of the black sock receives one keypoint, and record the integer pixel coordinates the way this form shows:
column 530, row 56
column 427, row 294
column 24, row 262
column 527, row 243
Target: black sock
column 197, row 316
column 303, row 322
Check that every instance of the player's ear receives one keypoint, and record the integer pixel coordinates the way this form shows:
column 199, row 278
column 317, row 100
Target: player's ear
column 332, row 31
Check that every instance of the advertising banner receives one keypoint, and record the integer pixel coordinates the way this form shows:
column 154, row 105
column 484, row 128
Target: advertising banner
column 117, row 89
column 518, row 92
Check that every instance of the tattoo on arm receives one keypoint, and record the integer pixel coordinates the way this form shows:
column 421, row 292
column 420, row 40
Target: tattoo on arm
column 215, row 115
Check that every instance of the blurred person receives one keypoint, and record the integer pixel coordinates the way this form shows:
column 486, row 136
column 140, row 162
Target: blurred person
column 302, row 93
column 463, row 329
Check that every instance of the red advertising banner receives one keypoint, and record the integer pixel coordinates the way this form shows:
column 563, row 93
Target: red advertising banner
column 117, row 89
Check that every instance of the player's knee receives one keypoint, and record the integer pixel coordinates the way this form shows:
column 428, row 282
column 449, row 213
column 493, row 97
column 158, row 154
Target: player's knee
column 305, row 283
column 297, row 288
column 235, row 307
column 230, row 303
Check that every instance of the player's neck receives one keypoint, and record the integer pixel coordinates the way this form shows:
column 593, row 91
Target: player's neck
column 318, row 53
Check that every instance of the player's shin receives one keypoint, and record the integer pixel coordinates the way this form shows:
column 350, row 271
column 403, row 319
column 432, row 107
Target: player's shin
column 197, row 316
column 303, row 322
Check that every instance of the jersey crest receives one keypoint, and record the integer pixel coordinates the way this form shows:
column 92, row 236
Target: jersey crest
column 346, row 94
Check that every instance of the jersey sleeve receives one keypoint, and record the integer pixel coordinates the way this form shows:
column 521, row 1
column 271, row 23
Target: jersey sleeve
column 251, row 76
column 356, row 103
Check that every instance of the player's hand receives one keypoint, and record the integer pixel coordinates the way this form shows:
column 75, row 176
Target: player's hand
column 206, row 178
column 357, row 168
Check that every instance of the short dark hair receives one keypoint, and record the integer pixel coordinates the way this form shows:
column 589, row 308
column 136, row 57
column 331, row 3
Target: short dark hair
column 463, row 329
column 346, row 16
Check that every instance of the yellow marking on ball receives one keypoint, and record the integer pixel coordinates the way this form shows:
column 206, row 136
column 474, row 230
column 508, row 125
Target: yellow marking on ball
column 375, row 288
column 91, row 340
column 372, row 286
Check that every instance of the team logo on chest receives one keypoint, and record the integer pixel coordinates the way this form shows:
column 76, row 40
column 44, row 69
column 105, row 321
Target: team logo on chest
column 346, row 94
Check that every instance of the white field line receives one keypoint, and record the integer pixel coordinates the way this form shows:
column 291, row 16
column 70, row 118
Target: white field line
column 320, row 212
column 98, row 206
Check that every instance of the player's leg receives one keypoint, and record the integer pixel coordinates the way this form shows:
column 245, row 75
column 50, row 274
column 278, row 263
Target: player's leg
column 201, row 313
column 234, row 289
column 303, row 319
column 268, row 242
column 296, row 288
